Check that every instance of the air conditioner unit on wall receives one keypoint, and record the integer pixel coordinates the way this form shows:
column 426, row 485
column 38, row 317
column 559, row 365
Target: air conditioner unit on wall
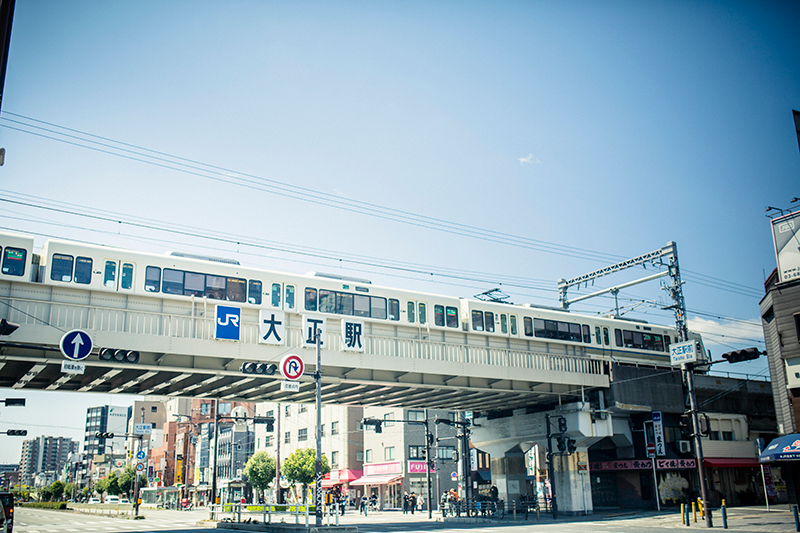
column 685, row 446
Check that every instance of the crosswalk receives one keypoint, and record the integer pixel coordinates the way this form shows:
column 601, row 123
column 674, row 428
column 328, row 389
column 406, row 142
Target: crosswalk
column 38, row 521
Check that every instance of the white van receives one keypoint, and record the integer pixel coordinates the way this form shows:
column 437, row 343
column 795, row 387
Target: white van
column 111, row 499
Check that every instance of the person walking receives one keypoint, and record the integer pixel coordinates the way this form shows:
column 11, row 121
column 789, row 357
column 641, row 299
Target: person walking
column 443, row 502
column 412, row 502
column 364, row 503
column 405, row 502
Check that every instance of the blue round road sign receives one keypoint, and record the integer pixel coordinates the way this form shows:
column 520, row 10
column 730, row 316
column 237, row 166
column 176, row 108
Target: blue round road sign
column 76, row 345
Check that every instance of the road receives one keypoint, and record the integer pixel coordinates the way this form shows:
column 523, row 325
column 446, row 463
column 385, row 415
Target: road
column 743, row 520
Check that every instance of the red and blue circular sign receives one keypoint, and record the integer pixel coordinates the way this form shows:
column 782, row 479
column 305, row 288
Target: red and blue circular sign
column 292, row 367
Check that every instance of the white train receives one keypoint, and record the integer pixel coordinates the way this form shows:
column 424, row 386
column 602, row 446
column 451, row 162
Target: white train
column 445, row 318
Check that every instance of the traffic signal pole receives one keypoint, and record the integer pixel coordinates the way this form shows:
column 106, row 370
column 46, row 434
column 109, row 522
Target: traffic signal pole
column 698, row 444
column 318, row 484
column 550, row 469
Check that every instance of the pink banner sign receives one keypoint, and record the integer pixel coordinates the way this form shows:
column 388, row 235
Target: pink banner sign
column 644, row 464
column 383, row 468
column 418, row 467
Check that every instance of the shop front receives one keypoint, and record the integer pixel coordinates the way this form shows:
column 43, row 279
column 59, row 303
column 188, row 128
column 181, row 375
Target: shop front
column 339, row 482
column 385, row 482
column 629, row 483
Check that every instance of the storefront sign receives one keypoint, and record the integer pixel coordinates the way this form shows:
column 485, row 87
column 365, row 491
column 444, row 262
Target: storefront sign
column 644, row 464
column 418, row 467
column 658, row 431
column 383, row 468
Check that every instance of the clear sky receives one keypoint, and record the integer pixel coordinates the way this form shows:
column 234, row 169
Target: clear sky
column 493, row 143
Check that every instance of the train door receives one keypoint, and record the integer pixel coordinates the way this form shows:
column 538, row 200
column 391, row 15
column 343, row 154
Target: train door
column 602, row 340
column 117, row 275
column 283, row 296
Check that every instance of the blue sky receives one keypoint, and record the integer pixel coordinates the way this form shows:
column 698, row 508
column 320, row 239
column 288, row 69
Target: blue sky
column 608, row 127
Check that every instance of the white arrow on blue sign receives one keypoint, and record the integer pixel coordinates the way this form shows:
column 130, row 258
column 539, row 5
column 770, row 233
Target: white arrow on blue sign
column 76, row 345
column 140, row 455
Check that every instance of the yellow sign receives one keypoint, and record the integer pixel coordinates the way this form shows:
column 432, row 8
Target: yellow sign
column 179, row 471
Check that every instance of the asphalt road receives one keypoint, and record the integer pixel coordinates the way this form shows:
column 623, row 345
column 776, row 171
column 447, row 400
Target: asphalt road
column 742, row 519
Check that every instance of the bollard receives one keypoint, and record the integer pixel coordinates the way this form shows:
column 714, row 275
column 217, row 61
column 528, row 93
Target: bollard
column 724, row 515
column 694, row 511
column 796, row 518
column 514, row 503
column 537, row 511
column 683, row 514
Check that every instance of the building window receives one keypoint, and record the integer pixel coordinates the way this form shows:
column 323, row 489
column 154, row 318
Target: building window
column 322, row 430
column 417, row 416
column 416, row 452
column 225, row 408
column 335, row 428
column 388, row 453
column 287, row 437
column 303, row 408
column 368, row 456
column 286, row 411
column 205, row 408
column 302, row 434
column 445, row 452
column 360, row 456
column 268, row 441
column 270, row 414
column 389, row 420
column 727, row 435
column 334, row 459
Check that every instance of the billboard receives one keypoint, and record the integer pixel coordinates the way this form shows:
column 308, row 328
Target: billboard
column 785, row 233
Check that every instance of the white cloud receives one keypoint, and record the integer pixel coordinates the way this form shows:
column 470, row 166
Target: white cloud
column 529, row 159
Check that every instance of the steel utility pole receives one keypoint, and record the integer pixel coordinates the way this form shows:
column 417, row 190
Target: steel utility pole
column 428, row 462
column 698, row 445
column 318, row 484
column 550, row 469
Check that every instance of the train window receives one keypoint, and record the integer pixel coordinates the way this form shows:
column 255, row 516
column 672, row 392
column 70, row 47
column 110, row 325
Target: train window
column 289, row 297
column 327, row 301
column 423, row 317
column 152, row 279
column 565, row 331
column 61, row 269
column 394, row 309
column 606, row 340
column 597, row 334
column 618, row 337
column 83, row 270
column 587, row 334
column 666, row 343
column 551, row 329
column 311, row 299
column 489, row 321
column 574, row 332
column 513, row 324
column 236, row 290
column 360, row 305
column 194, row 284
column 173, row 281
column 110, row 274
column 344, row 303
column 503, row 323
column 214, row 286
column 477, row 321
column 527, row 325
column 14, row 261
column 276, row 295
column 410, row 307
column 126, row 279
column 438, row 315
column 254, row 292
column 658, row 343
column 378, row 307
column 638, row 341
column 452, row 317
column 627, row 338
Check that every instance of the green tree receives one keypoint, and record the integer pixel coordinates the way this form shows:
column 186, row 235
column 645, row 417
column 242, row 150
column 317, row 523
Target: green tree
column 301, row 467
column 100, row 486
column 45, row 494
column 128, row 479
column 57, row 489
column 260, row 470
column 113, row 484
column 69, row 488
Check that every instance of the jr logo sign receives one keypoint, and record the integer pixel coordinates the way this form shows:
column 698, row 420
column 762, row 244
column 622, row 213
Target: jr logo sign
column 228, row 323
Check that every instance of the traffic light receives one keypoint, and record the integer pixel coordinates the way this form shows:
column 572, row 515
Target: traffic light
column 686, row 425
column 17, row 432
column 375, row 423
column 562, row 424
column 18, row 402
column 561, row 443
column 430, row 439
column 120, row 356
column 101, row 435
column 571, row 445
column 455, row 457
column 269, row 421
column 251, row 367
column 431, row 465
column 704, row 423
column 737, row 356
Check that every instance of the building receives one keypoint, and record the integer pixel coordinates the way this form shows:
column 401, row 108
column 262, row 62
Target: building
column 106, row 419
column 295, row 428
column 44, row 456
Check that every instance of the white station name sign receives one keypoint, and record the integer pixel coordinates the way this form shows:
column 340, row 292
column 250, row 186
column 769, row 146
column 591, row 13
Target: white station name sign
column 683, row 352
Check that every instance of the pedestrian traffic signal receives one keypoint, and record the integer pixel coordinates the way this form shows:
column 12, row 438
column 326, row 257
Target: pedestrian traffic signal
column 686, row 425
column 455, row 457
column 101, row 435
column 738, row 356
column 571, row 446
column 120, row 356
column 562, row 424
column 704, row 423
column 269, row 421
column 561, row 444
column 17, row 432
column 251, row 367
column 375, row 423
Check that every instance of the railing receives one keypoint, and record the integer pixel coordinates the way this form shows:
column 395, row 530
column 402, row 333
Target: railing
column 193, row 324
column 491, row 509
column 236, row 510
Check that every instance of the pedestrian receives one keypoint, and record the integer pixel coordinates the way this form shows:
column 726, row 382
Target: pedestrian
column 443, row 502
column 405, row 502
column 412, row 501
column 420, row 503
column 364, row 504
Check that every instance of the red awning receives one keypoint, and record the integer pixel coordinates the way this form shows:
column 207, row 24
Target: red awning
column 345, row 476
column 377, row 480
column 728, row 462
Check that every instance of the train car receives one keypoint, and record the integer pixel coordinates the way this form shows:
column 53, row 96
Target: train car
column 389, row 311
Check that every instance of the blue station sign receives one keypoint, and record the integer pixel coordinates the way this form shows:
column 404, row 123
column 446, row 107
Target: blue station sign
column 228, row 323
